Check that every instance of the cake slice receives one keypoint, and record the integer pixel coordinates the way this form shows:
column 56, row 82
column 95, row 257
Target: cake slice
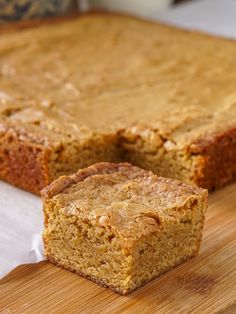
column 121, row 226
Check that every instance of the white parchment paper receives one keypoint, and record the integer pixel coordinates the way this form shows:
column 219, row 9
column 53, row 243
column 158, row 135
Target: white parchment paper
column 21, row 224
column 21, row 219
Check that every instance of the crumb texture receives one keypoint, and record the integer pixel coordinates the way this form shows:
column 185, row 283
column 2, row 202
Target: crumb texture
column 121, row 226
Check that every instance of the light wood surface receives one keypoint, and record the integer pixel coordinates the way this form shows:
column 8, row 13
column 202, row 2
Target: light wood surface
column 206, row 284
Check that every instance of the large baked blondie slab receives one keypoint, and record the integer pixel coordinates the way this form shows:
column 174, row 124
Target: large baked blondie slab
column 121, row 226
column 109, row 88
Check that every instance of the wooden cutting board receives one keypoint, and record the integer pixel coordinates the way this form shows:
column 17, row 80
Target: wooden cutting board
column 206, row 284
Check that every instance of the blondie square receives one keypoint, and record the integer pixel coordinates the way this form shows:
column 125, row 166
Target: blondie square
column 121, row 226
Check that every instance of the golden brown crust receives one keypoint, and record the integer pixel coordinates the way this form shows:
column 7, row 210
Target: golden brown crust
column 107, row 168
column 57, row 186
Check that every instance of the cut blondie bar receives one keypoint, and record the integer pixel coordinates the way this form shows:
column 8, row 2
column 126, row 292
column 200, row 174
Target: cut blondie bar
column 121, row 226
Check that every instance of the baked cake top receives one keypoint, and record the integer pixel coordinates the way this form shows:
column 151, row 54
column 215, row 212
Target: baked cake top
column 122, row 195
column 100, row 73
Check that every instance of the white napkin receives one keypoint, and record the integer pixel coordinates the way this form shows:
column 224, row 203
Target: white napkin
column 21, row 224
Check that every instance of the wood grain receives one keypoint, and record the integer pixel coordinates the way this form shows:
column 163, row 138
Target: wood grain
column 206, row 284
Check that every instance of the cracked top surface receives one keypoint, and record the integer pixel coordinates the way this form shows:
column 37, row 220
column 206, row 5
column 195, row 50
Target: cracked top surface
column 123, row 196
column 101, row 73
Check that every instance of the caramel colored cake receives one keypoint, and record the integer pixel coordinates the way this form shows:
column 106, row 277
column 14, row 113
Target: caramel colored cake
column 115, row 88
column 121, row 226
